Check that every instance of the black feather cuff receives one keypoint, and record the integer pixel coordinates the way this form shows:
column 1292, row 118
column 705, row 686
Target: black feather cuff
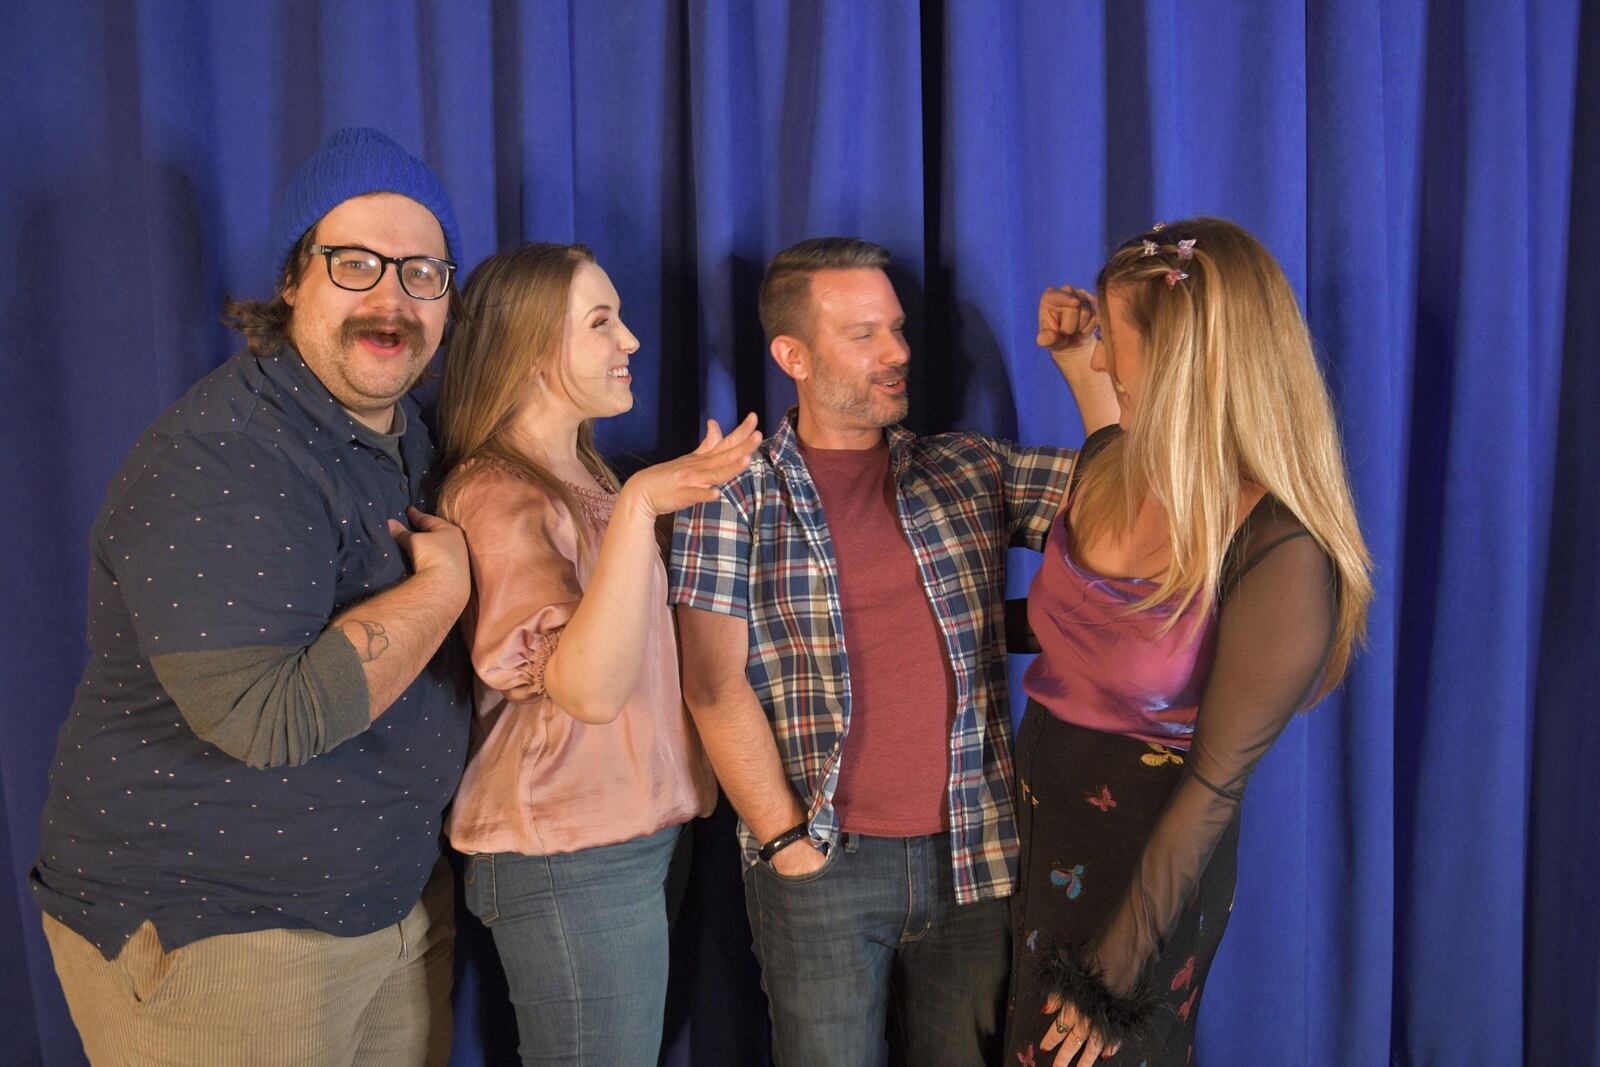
column 1070, row 973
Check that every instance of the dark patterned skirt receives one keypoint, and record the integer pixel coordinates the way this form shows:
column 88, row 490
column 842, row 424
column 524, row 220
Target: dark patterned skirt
column 1086, row 803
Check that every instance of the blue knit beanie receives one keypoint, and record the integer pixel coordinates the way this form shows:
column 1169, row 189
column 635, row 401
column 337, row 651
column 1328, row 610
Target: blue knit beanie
column 353, row 162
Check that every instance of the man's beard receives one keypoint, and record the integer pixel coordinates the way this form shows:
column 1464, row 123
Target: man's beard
column 838, row 394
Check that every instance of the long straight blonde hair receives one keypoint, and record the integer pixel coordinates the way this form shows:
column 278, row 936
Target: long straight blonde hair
column 514, row 316
column 1231, row 393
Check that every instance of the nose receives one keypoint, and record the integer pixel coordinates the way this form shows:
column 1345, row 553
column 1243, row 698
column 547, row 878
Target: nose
column 389, row 293
column 898, row 352
column 630, row 343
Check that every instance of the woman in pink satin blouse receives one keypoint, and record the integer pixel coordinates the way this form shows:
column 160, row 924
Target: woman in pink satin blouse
column 583, row 765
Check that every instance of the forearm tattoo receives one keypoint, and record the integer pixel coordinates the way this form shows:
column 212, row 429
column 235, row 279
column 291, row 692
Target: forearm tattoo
column 369, row 638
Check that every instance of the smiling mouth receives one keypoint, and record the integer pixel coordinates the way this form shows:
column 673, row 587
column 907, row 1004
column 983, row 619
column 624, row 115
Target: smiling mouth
column 620, row 374
column 385, row 337
column 385, row 341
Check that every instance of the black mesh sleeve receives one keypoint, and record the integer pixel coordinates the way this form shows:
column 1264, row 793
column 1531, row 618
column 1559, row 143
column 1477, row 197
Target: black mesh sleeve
column 1277, row 619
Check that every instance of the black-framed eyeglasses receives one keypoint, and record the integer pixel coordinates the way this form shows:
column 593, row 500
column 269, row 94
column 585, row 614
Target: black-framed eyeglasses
column 359, row 269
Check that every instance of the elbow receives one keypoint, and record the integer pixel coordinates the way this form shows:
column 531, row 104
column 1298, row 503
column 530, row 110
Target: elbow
column 258, row 747
column 270, row 707
column 695, row 696
column 269, row 759
column 597, row 709
column 703, row 702
column 593, row 712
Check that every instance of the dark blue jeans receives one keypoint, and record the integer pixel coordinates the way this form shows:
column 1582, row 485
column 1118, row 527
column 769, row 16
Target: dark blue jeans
column 583, row 940
column 873, row 945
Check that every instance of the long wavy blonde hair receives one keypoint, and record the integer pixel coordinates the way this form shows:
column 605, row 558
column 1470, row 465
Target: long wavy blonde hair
column 1231, row 393
column 512, row 322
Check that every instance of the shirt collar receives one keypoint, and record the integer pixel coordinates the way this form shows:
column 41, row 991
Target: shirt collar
column 300, row 388
column 783, row 446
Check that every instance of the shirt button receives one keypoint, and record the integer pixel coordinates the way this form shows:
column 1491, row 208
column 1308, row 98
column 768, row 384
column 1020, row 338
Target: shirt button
column 405, row 487
column 383, row 457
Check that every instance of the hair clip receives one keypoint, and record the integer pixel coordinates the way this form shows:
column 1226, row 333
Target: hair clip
column 1150, row 249
column 1158, row 227
column 1186, row 249
column 1175, row 276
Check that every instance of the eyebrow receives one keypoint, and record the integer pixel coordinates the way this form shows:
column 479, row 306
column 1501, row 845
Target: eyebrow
column 597, row 307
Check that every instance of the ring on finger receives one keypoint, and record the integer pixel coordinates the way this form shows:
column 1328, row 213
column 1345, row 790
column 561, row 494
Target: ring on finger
column 1061, row 1027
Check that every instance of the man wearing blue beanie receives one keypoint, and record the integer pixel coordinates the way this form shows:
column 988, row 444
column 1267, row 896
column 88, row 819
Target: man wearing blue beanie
column 239, row 858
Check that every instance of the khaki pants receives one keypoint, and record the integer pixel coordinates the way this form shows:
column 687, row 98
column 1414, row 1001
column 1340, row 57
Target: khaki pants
column 272, row 997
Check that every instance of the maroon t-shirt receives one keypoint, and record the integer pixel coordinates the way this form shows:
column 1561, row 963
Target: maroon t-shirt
column 895, row 768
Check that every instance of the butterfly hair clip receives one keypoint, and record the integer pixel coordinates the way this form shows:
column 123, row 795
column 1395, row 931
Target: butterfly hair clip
column 1175, row 276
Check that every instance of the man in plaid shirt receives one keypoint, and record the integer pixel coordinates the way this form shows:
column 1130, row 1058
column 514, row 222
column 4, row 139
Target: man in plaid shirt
column 849, row 587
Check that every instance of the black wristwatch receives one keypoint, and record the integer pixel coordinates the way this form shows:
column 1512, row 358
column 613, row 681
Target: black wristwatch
column 784, row 840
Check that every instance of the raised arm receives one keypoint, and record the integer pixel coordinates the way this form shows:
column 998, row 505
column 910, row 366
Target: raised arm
column 538, row 627
column 595, row 668
column 1068, row 320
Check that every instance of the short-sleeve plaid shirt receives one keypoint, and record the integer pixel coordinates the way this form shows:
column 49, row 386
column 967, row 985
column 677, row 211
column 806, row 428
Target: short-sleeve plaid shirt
column 761, row 551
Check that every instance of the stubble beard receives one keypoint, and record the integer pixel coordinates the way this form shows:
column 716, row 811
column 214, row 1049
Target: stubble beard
column 858, row 403
column 338, row 364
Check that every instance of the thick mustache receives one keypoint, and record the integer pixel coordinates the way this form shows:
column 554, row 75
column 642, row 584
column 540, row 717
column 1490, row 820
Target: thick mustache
column 408, row 330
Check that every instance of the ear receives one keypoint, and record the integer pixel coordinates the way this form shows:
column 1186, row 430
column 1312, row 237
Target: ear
column 791, row 356
column 289, row 285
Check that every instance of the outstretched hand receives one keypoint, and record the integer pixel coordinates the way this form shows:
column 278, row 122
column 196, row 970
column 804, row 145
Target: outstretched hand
column 693, row 479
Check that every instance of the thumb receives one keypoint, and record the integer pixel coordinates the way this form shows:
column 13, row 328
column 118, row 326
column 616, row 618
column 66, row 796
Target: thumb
column 713, row 435
column 401, row 534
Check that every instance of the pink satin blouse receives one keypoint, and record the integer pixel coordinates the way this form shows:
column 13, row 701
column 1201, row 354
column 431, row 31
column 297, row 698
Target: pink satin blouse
column 539, row 781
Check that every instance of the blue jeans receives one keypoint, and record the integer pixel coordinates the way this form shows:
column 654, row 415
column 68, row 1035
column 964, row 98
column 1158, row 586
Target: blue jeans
column 873, row 944
column 582, row 937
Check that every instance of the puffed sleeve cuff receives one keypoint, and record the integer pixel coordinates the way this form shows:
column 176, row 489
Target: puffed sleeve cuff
column 1070, row 973
column 540, row 650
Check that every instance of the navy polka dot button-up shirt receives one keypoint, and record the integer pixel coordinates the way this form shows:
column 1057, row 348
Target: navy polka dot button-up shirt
column 248, row 516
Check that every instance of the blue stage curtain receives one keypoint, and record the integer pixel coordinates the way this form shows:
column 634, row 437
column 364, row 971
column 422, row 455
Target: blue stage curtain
column 1417, row 867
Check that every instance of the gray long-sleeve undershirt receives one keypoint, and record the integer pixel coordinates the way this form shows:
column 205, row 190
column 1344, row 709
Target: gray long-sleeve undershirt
column 270, row 705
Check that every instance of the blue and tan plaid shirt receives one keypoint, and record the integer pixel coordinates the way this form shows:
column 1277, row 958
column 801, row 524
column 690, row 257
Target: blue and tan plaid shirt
column 761, row 551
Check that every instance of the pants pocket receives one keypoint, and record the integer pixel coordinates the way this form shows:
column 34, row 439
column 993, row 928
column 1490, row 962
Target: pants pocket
column 480, row 889
column 810, row 876
column 145, row 968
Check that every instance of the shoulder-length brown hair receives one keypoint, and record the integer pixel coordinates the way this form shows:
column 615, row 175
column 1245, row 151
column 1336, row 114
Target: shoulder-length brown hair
column 1231, row 394
column 515, row 310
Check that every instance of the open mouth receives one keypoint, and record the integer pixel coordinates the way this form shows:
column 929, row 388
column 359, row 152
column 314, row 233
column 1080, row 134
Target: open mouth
column 620, row 374
column 383, row 342
column 387, row 338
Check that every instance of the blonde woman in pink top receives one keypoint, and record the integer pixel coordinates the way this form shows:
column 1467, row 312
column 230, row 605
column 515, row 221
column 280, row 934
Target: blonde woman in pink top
column 583, row 765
